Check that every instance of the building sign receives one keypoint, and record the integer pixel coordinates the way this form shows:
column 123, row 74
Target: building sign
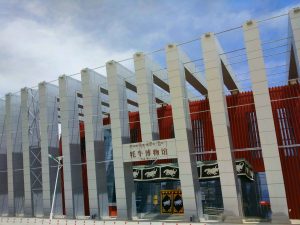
column 166, row 206
column 151, row 173
column 137, row 174
column 171, row 202
column 244, row 168
column 209, row 171
column 169, row 173
column 177, row 202
column 151, row 150
column 205, row 171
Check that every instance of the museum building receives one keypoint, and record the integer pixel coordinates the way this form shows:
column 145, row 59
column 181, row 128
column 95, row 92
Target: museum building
column 148, row 142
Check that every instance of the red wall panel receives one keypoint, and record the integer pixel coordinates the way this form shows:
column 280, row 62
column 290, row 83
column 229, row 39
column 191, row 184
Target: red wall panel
column 243, row 128
column 285, row 103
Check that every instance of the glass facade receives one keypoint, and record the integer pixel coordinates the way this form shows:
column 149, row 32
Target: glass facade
column 148, row 192
column 250, row 197
column 110, row 177
column 148, row 195
column 262, row 185
column 211, row 196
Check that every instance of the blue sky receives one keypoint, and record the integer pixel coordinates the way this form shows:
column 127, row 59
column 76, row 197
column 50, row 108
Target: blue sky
column 40, row 40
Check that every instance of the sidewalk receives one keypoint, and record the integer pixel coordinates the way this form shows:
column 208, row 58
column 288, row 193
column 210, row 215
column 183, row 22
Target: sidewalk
column 40, row 221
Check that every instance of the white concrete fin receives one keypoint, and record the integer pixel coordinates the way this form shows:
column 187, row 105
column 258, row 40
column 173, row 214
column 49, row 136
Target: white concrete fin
column 293, row 53
column 193, row 77
column 229, row 77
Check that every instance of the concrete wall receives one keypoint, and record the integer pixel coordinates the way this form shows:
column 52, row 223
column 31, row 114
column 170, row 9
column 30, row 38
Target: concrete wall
column 31, row 153
column 94, row 142
column 68, row 89
column 13, row 128
column 183, row 133
column 125, row 193
column 48, row 111
column 265, row 122
column 3, row 163
column 221, row 128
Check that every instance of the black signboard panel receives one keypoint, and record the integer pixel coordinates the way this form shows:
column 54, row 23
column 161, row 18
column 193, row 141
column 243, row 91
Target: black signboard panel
column 243, row 168
column 137, row 174
column 169, row 172
column 205, row 171
column 209, row 171
column 151, row 173
column 240, row 167
column 166, row 206
column 177, row 202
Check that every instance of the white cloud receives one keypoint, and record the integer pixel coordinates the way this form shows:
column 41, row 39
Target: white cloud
column 39, row 40
column 32, row 52
column 35, row 8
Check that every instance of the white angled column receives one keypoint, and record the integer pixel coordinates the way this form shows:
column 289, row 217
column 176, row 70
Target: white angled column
column 26, row 152
column 265, row 122
column 48, row 109
column 146, row 97
column 221, row 128
column 3, row 162
column 74, row 202
column 94, row 142
column 125, row 194
column 33, row 200
column 10, row 181
column 294, row 33
column 183, row 133
column 13, row 128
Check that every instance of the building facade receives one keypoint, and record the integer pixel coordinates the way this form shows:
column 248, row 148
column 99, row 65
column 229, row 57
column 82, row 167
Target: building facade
column 135, row 144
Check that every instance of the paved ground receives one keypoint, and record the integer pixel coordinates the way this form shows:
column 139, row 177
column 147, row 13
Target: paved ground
column 36, row 221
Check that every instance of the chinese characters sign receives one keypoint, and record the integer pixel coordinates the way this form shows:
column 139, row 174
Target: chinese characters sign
column 150, row 150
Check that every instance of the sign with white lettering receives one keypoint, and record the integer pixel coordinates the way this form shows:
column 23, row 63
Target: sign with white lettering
column 151, row 150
